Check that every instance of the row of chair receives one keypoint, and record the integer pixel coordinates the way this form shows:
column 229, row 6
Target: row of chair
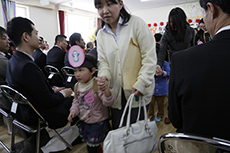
column 16, row 97
column 65, row 75
column 168, row 143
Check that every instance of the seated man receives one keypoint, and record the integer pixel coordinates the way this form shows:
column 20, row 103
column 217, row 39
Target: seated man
column 39, row 56
column 26, row 77
column 4, row 46
column 198, row 95
column 55, row 57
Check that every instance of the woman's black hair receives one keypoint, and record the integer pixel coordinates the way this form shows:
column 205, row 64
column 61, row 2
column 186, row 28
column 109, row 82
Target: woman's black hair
column 123, row 13
column 178, row 19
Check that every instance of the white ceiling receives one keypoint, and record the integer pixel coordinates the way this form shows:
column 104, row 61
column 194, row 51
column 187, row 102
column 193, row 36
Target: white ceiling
column 131, row 5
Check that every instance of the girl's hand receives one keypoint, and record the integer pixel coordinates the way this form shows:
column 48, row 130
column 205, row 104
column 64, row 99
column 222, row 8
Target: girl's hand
column 71, row 116
column 102, row 83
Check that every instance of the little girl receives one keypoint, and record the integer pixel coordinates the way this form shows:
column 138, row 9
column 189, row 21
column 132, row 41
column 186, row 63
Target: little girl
column 90, row 105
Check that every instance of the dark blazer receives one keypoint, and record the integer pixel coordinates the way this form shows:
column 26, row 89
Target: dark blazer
column 3, row 65
column 40, row 59
column 199, row 88
column 55, row 57
column 26, row 77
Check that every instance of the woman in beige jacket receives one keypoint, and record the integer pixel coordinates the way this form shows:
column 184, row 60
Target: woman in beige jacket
column 127, row 56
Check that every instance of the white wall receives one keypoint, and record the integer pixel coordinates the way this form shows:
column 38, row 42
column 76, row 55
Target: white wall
column 46, row 22
column 157, row 15
column 1, row 17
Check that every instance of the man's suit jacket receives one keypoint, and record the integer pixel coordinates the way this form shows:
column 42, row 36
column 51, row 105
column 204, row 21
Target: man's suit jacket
column 26, row 77
column 199, row 88
column 3, row 65
column 55, row 57
column 4, row 103
column 40, row 59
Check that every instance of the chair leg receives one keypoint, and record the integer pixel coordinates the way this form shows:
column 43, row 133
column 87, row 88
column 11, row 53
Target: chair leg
column 12, row 137
column 38, row 137
column 63, row 140
column 4, row 146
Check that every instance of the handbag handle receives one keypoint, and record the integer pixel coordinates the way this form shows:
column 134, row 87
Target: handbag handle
column 142, row 103
column 129, row 104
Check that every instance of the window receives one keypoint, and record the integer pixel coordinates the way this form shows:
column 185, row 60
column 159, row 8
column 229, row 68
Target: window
column 22, row 11
column 83, row 24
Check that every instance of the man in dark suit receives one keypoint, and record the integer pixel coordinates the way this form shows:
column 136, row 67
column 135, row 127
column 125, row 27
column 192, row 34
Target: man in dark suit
column 4, row 46
column 56, row 55
column 39, row 56
column 74, row 39
column 199, row 84
column 26, row 77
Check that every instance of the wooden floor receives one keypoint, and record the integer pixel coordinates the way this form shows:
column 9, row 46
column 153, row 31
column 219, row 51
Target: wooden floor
column 81, row 148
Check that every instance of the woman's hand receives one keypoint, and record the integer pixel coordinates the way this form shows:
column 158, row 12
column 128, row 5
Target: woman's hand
column 137, row 92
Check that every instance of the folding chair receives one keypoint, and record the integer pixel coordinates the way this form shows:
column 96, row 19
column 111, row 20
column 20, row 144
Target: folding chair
column 68, row 72
column 18, row 99
column 180, row 143
column 6, row 114
column 70, row 80
column 54, row 75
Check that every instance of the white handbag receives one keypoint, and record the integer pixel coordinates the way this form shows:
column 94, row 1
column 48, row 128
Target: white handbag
column 139, row 137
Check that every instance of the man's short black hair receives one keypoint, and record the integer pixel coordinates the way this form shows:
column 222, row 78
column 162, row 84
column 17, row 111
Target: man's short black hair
column 59, row 38
column 2, row 31
column 17, row 26
column 223, row 4
column 74, row 37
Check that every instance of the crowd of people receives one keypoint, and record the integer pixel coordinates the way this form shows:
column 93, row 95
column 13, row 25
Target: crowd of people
column 183, row 65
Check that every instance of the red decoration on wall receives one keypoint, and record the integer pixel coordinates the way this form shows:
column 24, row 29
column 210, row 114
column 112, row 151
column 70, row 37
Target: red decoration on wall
column 197, row 20
column 155, row 24
column 189, row 20
column 149, row 25
column 161, row 23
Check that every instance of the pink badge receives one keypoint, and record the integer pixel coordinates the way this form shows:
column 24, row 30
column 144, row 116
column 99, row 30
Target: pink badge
column 89, row 98
column 76, row 56
column 199, row 42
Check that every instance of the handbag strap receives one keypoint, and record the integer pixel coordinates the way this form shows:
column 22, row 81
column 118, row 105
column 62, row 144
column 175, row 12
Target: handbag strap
column 142, row 103
column 128, row 104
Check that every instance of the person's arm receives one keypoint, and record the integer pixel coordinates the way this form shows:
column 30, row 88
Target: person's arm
column 167, row 69
column 193, row 41
column 163, row 52
column 103, row 65
column 36, row 86
column 74, row 110
column 174, row 106
column 147, row 46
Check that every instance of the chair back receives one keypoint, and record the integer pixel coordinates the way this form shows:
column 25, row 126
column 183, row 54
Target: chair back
column 16, row 97
column 68, row 73
column 180, row 143
column 51, row 71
